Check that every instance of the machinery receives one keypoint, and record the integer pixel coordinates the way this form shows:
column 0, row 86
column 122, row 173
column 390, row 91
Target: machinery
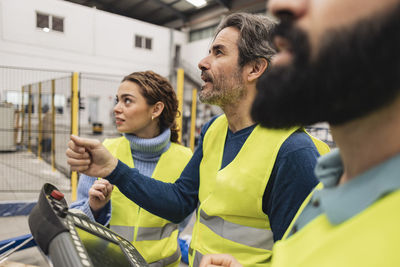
column 71, row 239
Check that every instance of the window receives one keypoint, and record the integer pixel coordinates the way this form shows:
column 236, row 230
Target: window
column 148, row 43
column 58, row 24
column 138, row 41
column 48, row 22
column 42, row 21
column 15, row 98
column 143, row 42
column 202, row 33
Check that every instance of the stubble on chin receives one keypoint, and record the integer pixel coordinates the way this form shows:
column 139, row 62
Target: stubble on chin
column 207, row 95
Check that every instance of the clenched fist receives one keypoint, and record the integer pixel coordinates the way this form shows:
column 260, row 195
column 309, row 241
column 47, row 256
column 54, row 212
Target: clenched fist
column 90, row 157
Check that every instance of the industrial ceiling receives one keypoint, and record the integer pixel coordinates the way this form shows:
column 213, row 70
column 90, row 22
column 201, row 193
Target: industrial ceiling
column 171, row 13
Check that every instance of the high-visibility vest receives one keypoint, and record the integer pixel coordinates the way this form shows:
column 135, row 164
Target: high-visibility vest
column 230, row 218
column 155, row 238
column 368, row 239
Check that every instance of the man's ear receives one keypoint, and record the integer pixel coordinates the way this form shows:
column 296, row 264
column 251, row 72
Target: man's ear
column 157, row 109
column 256, row 68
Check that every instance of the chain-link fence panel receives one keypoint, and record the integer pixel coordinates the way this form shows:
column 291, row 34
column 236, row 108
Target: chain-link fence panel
column 35, row 128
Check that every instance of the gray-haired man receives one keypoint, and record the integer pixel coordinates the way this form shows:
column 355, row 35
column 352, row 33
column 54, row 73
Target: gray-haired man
column 246, row 181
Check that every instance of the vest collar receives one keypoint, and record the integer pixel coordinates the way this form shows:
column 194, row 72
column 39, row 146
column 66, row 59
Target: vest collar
column 341, row 202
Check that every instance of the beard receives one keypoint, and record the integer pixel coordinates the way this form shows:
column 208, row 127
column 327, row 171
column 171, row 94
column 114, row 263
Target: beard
column 226, row 89
column 356, row 72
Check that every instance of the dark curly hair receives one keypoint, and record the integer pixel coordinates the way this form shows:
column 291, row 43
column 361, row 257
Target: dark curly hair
column 156, row 88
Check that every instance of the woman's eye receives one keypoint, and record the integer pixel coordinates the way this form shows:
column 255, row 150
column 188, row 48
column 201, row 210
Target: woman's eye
column 127, row 101
column 116, row 100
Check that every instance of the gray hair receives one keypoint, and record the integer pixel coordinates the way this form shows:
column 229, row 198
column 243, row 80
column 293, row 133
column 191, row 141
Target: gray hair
column 255, row 36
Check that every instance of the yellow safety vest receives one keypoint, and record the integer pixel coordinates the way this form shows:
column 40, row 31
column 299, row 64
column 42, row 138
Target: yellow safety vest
column 230, row 218
column 369, row 239
column 155, row 238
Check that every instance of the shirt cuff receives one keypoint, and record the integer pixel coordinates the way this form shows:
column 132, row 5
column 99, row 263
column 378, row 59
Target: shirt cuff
column 104, row 215
column 117, row 173
column 88, row 211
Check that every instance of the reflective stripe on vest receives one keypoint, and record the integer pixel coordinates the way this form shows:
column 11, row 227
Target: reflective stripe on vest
column 145, row 233
column 126, row 232
column 231, row 197
column 152, row 233
column 155, row 238
column 176, row 257
column 238, row 233
column 197, row 257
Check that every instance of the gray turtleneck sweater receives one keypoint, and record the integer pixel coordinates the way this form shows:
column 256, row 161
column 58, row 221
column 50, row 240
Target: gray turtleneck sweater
column 145, row 154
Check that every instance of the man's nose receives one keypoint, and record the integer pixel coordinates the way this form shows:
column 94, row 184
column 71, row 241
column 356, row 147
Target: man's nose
column 292, row 8
column 204, row 64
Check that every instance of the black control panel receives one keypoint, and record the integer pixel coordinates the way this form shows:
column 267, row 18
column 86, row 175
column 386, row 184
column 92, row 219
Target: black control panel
column 71, row 239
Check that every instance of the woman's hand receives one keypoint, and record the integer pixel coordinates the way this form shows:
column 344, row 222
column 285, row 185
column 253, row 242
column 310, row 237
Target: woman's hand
column 99, row 194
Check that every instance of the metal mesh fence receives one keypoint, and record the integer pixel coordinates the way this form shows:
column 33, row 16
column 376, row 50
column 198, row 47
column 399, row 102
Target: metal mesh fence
column 35, row 124
column 35, row 128
column 97, row 100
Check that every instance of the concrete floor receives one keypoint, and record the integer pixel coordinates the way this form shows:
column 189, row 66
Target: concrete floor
column 17, row 226
column 21, row 179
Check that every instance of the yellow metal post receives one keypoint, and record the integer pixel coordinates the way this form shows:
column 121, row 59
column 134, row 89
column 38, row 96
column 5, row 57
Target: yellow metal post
column 74, row 125
column 53, row 125
column 29, row 118
column 193, row 119
column 22, row 115
column 40, row 133
column 179, row 85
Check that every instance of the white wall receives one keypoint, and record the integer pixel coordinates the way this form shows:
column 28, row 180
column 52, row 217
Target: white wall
column 193, row 52
column 93, row 41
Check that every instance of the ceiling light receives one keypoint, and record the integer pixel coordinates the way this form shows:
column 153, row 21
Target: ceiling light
column 197, row 3
column 46, row 29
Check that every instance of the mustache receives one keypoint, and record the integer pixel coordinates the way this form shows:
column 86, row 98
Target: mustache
column 296, row 37
column 286, row 29
column 206, row 76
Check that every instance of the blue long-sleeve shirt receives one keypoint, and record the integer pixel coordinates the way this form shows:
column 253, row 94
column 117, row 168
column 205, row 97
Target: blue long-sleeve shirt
column 291, row 180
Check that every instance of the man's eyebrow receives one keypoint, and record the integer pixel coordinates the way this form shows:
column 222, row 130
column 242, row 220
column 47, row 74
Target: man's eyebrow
column 217, row 46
